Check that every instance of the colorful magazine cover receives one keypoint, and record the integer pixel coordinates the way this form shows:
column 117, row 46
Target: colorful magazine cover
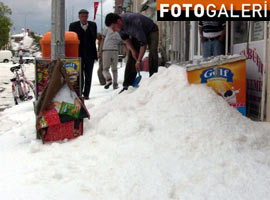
column 69, row 109
column 72, row 67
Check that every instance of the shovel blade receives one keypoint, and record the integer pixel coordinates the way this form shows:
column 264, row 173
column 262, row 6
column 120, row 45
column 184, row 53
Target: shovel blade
column 137, row 81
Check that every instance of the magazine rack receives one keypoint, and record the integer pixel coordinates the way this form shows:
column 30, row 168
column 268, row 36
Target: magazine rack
column 55, row 130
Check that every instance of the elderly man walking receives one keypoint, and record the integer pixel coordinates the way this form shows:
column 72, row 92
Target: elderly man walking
column 87, row 33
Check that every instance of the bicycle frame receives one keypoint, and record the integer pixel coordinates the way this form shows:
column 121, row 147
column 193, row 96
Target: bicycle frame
column 26, row 83
column 21, row 87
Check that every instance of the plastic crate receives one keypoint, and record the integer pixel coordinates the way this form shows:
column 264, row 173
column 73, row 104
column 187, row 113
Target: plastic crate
column 62, row 131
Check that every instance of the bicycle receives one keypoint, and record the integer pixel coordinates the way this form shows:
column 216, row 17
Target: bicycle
column 21, row 87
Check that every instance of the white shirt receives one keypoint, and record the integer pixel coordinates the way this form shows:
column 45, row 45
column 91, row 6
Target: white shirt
column 112, row 39
column 84, row 27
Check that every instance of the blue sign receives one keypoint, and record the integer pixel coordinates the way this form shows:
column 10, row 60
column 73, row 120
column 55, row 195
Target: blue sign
column 70, row 65
column 216, row 72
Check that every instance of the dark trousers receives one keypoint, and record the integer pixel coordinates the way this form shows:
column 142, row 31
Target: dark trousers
column 153, row 52
column 130, row 71
column 87, row 65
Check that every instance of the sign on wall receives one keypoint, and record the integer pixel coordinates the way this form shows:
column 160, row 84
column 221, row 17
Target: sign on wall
column 254, row 74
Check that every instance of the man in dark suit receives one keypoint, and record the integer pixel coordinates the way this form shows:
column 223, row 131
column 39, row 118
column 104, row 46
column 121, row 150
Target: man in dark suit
column 87, row 33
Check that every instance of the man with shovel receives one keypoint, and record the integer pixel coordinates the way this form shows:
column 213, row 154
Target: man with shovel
column 138, row 32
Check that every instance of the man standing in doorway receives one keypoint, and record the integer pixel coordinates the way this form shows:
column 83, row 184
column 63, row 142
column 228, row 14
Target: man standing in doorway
column 212, row 34
column 87, row 33
column 137, row 31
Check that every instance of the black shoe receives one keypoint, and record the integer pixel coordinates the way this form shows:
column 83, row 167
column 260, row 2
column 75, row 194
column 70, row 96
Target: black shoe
column 108, row 85
column 124, row 88
column 86, row 98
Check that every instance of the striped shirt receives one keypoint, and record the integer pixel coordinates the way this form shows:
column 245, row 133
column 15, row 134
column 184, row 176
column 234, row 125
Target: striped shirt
column 212, row 29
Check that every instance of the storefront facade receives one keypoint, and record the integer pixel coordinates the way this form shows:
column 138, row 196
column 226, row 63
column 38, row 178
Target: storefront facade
column 251, row 39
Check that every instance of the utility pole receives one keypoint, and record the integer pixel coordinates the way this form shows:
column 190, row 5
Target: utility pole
column 72, row 11
column 101, row 16
column 66, row 19
column 58, row 29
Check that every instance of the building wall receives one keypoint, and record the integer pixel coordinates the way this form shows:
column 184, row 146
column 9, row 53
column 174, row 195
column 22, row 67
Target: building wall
column 173, row 36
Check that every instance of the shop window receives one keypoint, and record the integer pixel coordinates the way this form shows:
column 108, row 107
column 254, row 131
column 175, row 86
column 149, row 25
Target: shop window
column 240, row 32
column 257, row 30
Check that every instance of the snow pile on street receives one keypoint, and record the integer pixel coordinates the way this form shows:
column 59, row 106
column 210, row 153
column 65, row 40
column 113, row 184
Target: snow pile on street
column 213, row 60
column 165, row 140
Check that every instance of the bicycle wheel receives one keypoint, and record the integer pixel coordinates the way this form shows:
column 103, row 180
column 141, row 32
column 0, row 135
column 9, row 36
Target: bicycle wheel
column 16, row 100
column 14, row 93
column 30, row 90
column 20, row 91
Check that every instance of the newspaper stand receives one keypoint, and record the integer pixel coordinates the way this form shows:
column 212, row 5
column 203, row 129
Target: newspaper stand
column 56, row 130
